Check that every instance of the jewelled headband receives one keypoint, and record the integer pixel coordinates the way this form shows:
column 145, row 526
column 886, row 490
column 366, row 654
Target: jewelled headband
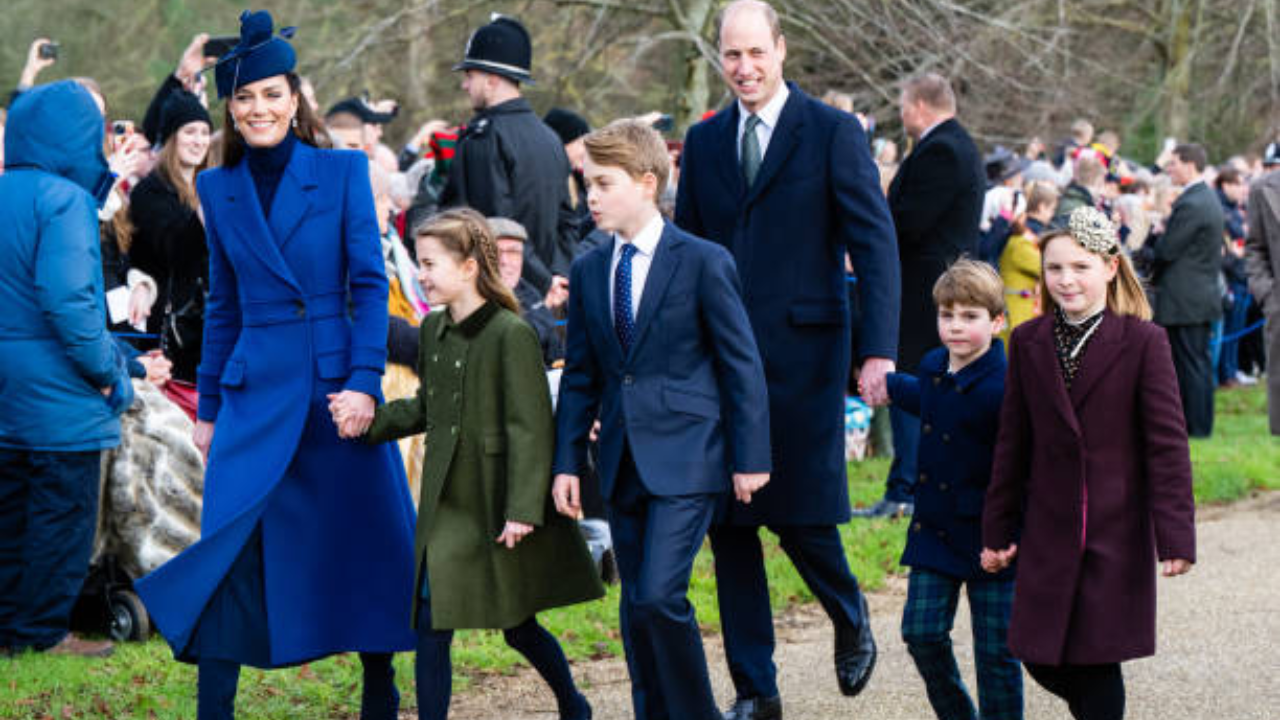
column 1094, row 231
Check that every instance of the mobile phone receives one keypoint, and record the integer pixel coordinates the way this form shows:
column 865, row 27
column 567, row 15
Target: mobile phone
column 216, row 47
column 664, row 123
column 48, row 51
column 122, row 128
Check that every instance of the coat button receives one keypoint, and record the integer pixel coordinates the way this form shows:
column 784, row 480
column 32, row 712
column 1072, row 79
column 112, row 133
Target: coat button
column 628, row 380
column 946, row 437
column 457, row 363
column 924, row 477
column 453, row 429
column 457, row 397
column 937, row 380
column 943, row 487
column 431, row 392
column 942, row 534
column 916, row 527
column 926, row 428
column 435, row 358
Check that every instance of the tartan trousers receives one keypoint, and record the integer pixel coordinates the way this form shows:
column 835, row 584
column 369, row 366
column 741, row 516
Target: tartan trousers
column 927, row 620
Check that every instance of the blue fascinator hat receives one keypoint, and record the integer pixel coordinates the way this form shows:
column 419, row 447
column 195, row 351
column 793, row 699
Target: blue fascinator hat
column 259, row 54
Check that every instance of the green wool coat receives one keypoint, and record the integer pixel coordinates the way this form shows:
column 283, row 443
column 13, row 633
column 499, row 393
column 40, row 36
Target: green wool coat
column 485, row 407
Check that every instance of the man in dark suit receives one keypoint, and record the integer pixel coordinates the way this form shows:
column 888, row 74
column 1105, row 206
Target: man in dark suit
column 936, row 200
column 661, row 351
column 1188, row 257
column 788, row 185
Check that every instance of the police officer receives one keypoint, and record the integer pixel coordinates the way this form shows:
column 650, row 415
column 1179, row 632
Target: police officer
column 509, row 164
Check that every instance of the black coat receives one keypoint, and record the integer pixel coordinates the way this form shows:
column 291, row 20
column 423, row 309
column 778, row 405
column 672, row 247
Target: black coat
column 1188, row 258
column 169, row 245
column 936, row 201
column 509, row 164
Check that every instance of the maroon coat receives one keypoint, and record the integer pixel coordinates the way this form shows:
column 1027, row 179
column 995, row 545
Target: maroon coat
column 1114, row 451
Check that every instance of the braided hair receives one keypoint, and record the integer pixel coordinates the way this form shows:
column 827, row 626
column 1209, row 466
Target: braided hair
column 465, row 233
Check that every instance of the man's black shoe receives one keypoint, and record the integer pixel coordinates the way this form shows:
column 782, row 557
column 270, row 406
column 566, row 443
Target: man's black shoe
column 886, row 508
column 855, row 655
column 756, row 709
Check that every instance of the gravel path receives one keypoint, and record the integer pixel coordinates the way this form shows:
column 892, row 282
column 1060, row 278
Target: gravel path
column 1217, row 656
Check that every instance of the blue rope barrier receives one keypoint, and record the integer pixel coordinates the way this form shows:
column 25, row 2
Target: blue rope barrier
column 1237, row 335
column 136, row 336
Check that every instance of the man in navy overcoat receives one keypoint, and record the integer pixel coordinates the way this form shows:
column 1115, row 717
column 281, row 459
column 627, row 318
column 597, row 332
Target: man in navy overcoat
column 790, row 199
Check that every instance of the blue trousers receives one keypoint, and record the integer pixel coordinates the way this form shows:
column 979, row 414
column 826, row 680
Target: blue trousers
column 1233, row 323
column 906, row 443
column 743, row 590
column 655, row 540
column 48, row 513
column 926, row 627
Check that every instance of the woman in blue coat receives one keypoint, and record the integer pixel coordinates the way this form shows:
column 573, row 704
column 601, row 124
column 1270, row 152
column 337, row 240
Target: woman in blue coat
column 306, row 540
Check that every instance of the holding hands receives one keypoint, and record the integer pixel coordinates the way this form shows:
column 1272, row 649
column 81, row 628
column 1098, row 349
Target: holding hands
column 993, row 561
column 352, row 412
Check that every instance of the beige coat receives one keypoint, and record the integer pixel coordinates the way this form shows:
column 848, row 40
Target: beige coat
column 1262, row 263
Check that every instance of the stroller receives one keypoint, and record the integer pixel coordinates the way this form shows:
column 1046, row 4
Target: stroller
column 149, row 511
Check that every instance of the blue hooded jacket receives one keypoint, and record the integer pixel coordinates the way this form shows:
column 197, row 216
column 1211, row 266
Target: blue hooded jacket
column 55, row 352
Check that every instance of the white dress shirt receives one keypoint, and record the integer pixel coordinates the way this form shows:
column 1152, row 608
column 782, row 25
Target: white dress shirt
column 768, row 119
column 646, row 242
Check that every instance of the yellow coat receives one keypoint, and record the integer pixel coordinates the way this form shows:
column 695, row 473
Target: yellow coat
column 1020, row 271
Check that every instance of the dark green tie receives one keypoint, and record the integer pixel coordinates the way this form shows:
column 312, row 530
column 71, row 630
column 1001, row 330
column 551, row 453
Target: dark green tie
column 750, row 150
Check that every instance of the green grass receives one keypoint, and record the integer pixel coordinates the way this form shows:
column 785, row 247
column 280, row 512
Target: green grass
column 142, row 680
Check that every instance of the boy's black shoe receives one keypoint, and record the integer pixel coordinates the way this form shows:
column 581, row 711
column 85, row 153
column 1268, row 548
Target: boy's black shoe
column 756, row 709
column 886, row 508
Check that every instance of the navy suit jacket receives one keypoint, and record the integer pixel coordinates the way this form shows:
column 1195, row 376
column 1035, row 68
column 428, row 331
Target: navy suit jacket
column 815, row 199
column 688, row 399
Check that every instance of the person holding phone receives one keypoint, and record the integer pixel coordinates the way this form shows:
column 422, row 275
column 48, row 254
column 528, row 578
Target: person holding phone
column 306, row 545
column 42, row 53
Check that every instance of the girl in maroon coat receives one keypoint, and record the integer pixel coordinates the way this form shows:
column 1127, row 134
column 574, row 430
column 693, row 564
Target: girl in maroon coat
column 1092, row 475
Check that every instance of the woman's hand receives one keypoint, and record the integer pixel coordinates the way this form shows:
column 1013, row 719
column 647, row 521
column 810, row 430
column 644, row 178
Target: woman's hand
column 203, row 437
column 35, row 63
column 1176, row 567
column 352, row 412
column 993, row 561
column 513, row 533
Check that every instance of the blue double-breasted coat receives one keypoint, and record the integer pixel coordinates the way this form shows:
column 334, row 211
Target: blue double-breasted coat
column 297, row 310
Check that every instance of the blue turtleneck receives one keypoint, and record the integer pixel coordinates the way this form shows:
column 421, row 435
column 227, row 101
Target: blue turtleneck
column 267, row 166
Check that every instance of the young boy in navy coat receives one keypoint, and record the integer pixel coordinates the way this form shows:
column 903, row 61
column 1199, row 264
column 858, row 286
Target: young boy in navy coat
column 661, row 352
column 957, row 396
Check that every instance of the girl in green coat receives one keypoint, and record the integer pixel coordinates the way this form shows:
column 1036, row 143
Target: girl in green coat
column 489, row 552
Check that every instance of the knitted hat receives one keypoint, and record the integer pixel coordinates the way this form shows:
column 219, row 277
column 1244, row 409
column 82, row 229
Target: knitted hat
column 258, row 56
column 567, row 124
column 179, row 109
column 502, row 47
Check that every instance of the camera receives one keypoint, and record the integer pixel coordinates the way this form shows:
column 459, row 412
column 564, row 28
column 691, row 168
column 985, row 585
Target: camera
column 122, row 127
column 49, row 51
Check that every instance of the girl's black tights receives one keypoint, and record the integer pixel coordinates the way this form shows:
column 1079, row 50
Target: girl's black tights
column 434, row 669
column 1092, row 692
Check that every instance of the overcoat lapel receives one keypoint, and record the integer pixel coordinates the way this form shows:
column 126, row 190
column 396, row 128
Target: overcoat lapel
column 727, row 153
column 295, row 196
column 246, row 216
column 1100, row 357
column 665, row 261
column 1042, row 357
column 785, row 138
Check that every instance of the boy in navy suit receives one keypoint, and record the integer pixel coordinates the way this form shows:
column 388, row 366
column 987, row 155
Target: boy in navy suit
column 661, row 352
column 957, row 395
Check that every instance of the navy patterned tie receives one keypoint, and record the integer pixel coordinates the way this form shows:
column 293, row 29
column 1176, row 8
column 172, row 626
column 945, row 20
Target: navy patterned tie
column 750, row 150
column 624, row 321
